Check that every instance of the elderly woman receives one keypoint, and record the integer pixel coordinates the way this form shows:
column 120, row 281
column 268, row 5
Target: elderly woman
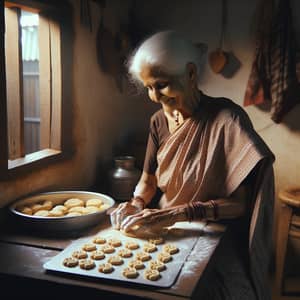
column 209, row 164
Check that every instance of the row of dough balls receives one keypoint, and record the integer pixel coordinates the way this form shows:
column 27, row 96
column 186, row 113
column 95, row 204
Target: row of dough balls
column 152, row 272
column 70, row 207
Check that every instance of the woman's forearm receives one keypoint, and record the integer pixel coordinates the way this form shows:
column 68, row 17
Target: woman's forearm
column 146, row 188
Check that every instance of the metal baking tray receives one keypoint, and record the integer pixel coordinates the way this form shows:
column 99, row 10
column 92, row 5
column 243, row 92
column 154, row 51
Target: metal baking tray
column 62, row 224
column 168, row 276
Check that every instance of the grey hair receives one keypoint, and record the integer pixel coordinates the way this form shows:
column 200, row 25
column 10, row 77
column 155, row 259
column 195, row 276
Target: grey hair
column 168, row 51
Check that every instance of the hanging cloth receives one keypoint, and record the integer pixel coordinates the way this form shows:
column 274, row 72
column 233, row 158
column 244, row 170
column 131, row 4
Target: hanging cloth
column 285, row 91
column 273, row 75
column 258, row 86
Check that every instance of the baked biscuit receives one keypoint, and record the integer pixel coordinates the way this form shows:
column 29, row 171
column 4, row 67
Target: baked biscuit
column 79, row 209
column 87, row 264
column 97, row 255
column 151, row 274
column 36, row 207
column 90, row 210
column 79, row 254
column 157, row 265
column 105, row 268
column 125, row 253
column 108, row 249
column 116, row 260
column 47, row 205
column 156, row 240
column 172, row 249
column 104, row 207
column 164, row 257
column 99, row 240
column 93, row 202
column 137, row 264
column 132, row 245
column 61, row 208
column 72, row 202
column 89, row 247
column 70, row 262
column 56, row 213
column 114, row 242
column 148, row 247
column 41, row 213
column 26, row 210
column 143, row 256
column 130, row 272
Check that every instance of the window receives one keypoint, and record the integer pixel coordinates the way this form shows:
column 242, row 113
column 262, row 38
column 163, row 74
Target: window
column 31, row 110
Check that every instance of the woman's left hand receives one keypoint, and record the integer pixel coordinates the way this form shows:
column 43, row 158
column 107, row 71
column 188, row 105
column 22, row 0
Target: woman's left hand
column 153, row 219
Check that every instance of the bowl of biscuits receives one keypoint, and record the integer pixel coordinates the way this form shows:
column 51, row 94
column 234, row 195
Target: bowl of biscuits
column 62, row 211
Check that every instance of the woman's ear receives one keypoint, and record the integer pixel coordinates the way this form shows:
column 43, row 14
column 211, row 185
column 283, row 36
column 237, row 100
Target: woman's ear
column 191, row 71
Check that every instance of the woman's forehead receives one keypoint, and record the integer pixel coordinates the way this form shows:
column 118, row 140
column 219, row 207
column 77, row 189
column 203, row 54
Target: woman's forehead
column 153, row 73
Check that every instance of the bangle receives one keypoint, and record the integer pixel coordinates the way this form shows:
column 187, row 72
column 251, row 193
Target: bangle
column 195, row 211
column 140, row 200
column 215, row 209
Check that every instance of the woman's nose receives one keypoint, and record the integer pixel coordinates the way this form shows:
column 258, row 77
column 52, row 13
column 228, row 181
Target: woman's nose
column 155, row 95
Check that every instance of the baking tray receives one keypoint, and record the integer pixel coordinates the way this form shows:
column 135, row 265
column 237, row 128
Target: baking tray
column 185, row 243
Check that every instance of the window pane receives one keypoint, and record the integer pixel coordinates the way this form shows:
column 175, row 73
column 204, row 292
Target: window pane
column 31, row 94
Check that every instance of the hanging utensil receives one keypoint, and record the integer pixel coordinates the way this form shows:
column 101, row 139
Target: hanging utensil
column 217, row 58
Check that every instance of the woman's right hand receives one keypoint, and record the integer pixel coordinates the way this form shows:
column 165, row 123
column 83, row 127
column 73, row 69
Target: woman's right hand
column 123, row 210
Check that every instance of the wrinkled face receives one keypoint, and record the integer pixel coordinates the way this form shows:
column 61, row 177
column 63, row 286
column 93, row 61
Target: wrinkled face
column 171, row 92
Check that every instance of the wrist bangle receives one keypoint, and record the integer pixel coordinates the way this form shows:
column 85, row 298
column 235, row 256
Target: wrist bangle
column 215, row 209
column 140, row 200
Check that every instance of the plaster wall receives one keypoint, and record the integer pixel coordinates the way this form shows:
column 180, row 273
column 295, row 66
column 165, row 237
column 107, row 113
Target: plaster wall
column 103, row 116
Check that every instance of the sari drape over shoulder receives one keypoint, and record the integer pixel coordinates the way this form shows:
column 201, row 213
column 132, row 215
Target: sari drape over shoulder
column 208, row 157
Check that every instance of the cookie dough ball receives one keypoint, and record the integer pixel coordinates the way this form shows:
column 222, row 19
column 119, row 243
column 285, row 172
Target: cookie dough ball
column 97, row 255
column 89, row 247
column 143, row 256
column 108, row 249
column 114, row 242
column 87, row 264
column 164, row 257
column 151, row 274
column 99, row 240
column 25, row 210
column 56, row 213
column 156, row 241
column 105, row 268
column 137, row 264
column 148, row 247
column 80, row 254
column 157, row 265
column 116, row 260
column 94, row 202
column 73, row 202
column 70, row 262
column 172, row 249
column 41, row 213
column 131, row 245
column 130, row 272
column 125, row 253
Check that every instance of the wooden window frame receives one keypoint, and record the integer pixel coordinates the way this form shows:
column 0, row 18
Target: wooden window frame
column 55, row 86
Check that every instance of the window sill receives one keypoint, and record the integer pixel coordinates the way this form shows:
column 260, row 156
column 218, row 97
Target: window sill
column 33, row 157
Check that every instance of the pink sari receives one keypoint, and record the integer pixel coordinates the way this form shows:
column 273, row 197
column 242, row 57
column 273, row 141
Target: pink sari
column 208, row 157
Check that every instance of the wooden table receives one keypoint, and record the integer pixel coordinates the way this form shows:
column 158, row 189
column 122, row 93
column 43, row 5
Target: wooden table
column 22, row 255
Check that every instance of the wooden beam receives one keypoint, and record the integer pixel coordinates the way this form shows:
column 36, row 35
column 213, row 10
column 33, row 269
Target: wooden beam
column 13, row 55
